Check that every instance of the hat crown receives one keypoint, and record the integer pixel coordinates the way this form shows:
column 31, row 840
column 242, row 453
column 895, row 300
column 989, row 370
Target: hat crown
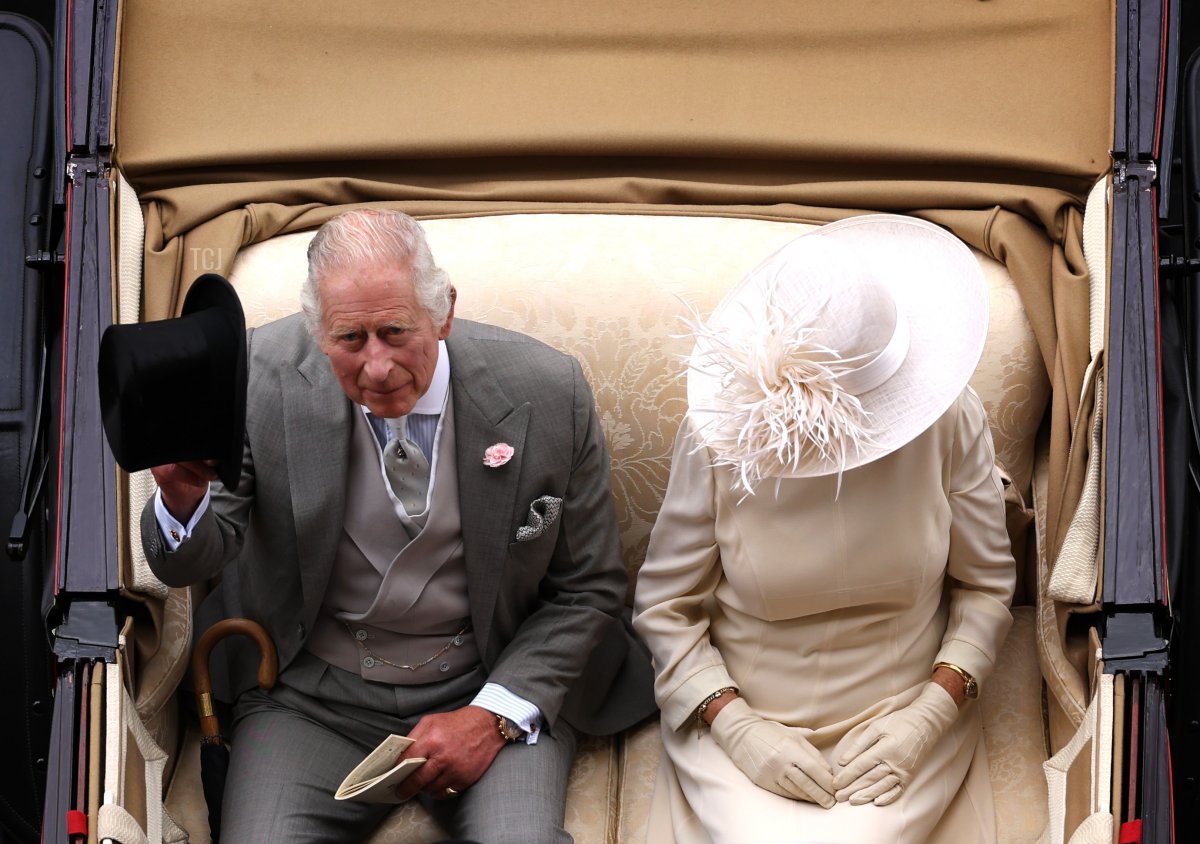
column 838, row 349
column 149, row 420
column 822, row 300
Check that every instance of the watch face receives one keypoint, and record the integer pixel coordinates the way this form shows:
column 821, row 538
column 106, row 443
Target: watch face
column 971, row 689
column 508, row 729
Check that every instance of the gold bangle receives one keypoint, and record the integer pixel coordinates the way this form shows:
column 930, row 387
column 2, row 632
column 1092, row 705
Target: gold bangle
column 970, row 684
column 704, row 703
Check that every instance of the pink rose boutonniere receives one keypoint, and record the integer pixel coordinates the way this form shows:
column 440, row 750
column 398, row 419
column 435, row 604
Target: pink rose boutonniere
column 497, row 455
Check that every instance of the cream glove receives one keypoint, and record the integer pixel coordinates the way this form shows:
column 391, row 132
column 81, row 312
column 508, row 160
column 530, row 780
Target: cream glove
column 774, row 756
column 880, row 762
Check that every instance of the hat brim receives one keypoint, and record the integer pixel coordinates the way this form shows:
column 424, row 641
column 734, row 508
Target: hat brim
column 941, row 289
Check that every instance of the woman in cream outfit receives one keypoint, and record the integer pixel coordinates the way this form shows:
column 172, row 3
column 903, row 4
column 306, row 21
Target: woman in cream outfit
column 828, row 581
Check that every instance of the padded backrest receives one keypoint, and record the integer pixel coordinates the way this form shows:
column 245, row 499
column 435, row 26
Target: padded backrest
column 610, row 289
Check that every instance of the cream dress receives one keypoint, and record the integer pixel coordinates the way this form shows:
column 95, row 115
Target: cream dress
column 827, row 609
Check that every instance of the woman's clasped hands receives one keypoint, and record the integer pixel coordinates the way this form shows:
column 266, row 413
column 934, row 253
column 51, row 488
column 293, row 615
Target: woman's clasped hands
column 876, row 766
column 879, row 762
column 774, row 756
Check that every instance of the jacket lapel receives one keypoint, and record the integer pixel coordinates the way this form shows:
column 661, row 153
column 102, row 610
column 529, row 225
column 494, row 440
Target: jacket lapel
column 484, row 416
column 316, row 429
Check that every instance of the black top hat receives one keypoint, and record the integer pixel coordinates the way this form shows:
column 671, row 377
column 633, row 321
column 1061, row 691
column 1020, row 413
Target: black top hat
column 175, row 389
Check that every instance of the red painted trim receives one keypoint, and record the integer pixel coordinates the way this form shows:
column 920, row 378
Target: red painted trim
column 1131, row 832
column 1171, row 785
column 76, row 823
column 1162, row 83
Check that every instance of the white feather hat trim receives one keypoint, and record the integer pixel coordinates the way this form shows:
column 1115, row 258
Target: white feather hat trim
column 838, row 349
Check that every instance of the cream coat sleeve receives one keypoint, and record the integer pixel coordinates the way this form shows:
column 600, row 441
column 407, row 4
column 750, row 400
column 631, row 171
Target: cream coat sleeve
column 980, row 572
column 681, row 571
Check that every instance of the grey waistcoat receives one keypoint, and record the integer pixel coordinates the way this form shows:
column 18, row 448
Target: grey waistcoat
column 398, row 592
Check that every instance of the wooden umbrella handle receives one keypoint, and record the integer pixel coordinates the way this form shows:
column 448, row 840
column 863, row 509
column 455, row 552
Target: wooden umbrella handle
column 268, row 666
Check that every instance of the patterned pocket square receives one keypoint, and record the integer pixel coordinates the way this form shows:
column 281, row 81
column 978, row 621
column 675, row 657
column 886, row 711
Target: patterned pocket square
column 543, row 512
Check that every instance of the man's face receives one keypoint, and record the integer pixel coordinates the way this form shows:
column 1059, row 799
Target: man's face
column 381, row 343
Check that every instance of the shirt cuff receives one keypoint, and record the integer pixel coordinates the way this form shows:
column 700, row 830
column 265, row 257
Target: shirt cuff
column 174, row 532
column 495, row 698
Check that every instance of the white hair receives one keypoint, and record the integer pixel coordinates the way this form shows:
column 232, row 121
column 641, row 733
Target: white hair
column 368, row 236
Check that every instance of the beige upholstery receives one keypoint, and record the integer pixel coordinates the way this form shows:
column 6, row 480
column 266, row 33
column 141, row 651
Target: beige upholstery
column 610, row 290
column 1014, row 734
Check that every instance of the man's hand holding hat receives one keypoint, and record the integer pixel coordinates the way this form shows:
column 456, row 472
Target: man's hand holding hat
column 183, row 485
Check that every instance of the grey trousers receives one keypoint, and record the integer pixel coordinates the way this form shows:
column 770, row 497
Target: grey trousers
column 292, row 747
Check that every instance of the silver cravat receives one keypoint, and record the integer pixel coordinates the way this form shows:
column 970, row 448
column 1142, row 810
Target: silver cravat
column 407, row 468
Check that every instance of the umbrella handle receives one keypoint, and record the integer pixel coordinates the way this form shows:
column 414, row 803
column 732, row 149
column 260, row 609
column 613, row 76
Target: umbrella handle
column 268, row 666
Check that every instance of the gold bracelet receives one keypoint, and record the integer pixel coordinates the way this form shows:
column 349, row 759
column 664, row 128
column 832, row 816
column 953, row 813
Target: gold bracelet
column 704, row 704
column 970, row 684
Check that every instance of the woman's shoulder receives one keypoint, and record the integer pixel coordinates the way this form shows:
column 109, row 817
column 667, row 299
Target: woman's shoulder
column 971, row 417
column 965, row 419
column 956, row 433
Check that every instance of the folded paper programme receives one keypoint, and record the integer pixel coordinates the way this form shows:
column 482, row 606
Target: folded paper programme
column 374, row 780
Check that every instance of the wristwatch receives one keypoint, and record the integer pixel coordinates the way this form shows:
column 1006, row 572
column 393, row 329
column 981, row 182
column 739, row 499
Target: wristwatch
column 970, row 684
column 509, row 731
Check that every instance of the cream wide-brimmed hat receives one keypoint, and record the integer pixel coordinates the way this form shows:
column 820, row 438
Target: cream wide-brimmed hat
column 838, row 349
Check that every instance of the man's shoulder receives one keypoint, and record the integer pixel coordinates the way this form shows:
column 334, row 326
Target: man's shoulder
column 501, row 341
column 285, row 339
column 527, row 368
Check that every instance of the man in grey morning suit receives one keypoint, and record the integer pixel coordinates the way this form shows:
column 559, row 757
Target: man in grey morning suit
column 488, row 626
